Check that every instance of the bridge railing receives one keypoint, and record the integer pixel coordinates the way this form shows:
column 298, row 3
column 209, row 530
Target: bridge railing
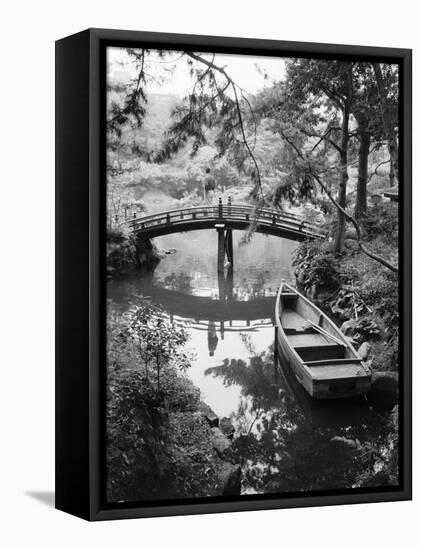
column 221, row 212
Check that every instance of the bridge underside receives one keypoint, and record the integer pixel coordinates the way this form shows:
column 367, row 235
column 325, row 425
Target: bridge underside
column 194, row 225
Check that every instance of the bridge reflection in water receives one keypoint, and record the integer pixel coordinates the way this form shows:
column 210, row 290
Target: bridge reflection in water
column 214, row 316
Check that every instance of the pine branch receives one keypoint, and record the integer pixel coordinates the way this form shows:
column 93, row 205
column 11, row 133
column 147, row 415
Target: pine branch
column 234, row 87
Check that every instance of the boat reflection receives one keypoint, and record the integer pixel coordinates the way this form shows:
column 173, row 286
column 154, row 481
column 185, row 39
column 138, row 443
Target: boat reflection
column 322, row 413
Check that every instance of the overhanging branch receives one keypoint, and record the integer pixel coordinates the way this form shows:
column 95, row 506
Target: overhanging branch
column 234, row 87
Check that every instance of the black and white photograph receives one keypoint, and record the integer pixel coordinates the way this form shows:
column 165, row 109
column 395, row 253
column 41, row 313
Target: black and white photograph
column 252, row 267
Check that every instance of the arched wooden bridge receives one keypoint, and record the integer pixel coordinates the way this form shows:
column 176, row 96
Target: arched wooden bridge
column 229, row 217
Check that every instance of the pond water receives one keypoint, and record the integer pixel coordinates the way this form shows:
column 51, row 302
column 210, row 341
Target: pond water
column 284, row 440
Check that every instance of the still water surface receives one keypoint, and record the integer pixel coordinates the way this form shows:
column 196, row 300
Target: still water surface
column 285, row 441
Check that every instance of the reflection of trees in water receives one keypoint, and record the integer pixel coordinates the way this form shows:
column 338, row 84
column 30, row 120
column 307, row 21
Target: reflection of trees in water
column 281, row 450
column 180, row 282
column 250, row 291
column 257, row 378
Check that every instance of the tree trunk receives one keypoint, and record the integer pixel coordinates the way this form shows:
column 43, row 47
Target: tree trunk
column 361, row 195
column 343, row 177
column 388, row 124
column 391, row 173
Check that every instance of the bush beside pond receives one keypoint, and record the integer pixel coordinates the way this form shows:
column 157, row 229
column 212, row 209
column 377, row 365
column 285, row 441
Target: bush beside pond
column 159, row 444
column 125, row 253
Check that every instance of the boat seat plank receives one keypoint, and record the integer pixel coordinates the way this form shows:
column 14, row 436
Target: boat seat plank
column 310, row 340
column 330, row 362
column 290, row 331
column 320, row 352
column 342, row 370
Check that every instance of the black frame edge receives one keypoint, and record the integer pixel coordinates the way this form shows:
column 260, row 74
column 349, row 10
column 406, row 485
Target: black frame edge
column 406, row 272
column 72, row 381
column 314, row 49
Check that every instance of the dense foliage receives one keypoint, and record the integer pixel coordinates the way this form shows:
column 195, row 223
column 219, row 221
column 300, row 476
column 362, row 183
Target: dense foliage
column 158, row 446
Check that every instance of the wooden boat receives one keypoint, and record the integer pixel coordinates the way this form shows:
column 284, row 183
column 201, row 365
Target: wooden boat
column 322, row 358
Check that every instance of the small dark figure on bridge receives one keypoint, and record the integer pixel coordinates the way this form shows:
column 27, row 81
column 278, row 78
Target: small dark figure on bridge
column 209, row 186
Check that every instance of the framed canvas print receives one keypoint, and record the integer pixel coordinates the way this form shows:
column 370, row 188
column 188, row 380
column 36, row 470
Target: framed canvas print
column 233, row 274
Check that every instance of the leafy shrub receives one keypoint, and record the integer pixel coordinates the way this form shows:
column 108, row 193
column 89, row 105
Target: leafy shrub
column 382, row 220
column 316, row 265
column 158, row 447
column 366, row 329
column 115, row 235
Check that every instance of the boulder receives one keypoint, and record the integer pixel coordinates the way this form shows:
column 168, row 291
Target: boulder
column 227, row 427
column 208, row 414
column 351, row 234
column 221, row 444
column 347, row 326
column 230, row 479
column 146, row 252
column 351, row 244
column 384, row 392
column 364, row 350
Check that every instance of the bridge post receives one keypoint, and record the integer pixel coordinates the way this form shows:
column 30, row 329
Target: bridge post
column 220, row 208
column 229, row 245
column 229, row 283
column 222, row 289
column 221, row 251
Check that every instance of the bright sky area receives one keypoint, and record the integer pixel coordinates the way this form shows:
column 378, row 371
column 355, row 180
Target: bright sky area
column 174, row 71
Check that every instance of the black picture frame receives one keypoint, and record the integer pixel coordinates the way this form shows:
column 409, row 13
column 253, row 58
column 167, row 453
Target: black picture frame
column 80, row 279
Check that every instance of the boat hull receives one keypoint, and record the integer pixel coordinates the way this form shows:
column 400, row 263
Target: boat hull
column 322, row 359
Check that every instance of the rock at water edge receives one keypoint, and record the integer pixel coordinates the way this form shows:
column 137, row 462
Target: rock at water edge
column 227, row 427
column 221, row 444
column 384, row 392
column 208, row 414
column 230, row 479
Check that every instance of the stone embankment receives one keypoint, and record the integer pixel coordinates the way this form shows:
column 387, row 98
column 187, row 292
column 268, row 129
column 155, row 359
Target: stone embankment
column 222, row 436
